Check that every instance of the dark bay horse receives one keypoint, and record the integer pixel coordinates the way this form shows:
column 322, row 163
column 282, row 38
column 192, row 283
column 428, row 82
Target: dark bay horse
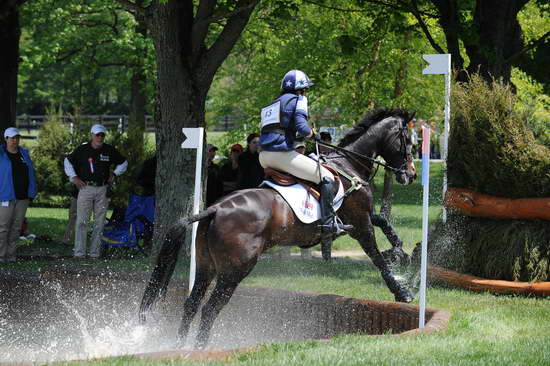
column 237, row 229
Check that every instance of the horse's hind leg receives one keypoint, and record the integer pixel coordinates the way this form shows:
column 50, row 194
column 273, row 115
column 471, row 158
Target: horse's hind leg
column 221, row 295
column 191, row 306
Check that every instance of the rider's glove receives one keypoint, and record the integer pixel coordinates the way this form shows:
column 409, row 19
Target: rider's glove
column 316, row 136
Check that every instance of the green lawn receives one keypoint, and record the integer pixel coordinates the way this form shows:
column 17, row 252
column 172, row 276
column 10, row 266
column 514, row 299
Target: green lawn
column 484, row 329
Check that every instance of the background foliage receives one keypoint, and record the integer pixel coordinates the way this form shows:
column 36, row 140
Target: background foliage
column 79, row 54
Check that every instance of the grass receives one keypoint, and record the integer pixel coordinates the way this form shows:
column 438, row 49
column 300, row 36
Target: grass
column 484, row 329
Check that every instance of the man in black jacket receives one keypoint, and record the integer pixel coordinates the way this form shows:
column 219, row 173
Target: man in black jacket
column 89, row 168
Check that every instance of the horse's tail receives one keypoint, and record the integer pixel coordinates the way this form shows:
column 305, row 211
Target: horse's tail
column 166, row 260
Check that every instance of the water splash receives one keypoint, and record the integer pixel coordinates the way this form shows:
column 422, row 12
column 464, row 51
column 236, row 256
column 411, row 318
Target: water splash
column 78, row 323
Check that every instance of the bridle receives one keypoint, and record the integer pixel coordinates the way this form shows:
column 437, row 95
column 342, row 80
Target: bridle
column 357, row 156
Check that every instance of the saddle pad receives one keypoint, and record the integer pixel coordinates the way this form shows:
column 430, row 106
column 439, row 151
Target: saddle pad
column 304, row 205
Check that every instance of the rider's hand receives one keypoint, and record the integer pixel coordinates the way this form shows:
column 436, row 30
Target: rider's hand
column 315, row 135
column 79, row 183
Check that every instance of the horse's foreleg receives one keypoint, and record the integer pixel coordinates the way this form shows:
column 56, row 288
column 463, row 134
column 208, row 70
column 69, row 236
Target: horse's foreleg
column 368, row 243
column 220, row 297
column 192, row 304
column 396, row 254
column 387, row 229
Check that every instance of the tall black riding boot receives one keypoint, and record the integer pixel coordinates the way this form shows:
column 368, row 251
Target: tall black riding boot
column 330, row 226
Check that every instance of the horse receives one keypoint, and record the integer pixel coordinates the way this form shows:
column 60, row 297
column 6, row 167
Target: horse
column 234, row 231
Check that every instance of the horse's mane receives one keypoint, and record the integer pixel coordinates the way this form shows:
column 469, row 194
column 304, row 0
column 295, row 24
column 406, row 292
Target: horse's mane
column 370, row 119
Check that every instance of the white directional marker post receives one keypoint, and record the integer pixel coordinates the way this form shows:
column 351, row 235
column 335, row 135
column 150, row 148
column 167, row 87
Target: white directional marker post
column 425, row 204
column 441, row 64
column 438, row 64
column 193, row 139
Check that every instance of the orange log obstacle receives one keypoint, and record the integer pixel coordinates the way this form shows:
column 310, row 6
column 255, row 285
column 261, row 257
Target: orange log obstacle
column 472, row 203
column 494, row 286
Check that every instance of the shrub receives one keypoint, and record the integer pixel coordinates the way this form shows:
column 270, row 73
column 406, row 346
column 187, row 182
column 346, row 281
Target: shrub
column 491, row 149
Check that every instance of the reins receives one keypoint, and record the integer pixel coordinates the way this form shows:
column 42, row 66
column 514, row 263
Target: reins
column 354, row 155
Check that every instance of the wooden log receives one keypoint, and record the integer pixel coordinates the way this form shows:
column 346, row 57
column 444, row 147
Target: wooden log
column 478, row 284
column 472, row 203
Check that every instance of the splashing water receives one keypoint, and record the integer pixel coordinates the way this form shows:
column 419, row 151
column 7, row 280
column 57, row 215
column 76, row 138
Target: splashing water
column 58, row 324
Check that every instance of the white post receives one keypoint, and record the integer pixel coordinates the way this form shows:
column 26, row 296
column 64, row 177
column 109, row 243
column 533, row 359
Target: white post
column 441, row 64
column 445, row 146
column 425, row 205
column 193, row 139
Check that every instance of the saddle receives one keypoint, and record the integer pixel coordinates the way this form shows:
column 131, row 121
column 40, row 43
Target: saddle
column 285, row 179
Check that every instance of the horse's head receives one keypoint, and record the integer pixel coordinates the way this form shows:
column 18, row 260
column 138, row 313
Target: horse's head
column 396, row 148
column 384, row 132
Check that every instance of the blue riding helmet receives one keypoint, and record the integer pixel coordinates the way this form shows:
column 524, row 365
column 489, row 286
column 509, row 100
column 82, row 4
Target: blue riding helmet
column 295, row 80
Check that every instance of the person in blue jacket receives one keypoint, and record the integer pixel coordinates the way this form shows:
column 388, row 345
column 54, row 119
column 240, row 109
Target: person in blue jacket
column 281, row 123
column 17, row 187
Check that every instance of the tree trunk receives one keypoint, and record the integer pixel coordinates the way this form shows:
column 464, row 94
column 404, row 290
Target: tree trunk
column 499, row 38
column 136, row 120
column 179, row 104
column 10, row 33
column 185, row 70
column 491, row 39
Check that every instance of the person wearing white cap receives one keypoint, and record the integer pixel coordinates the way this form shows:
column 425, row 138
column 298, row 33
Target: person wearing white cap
column 17, row 186
column 89, row 168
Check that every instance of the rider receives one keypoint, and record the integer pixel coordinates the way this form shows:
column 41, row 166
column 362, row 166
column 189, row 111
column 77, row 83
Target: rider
column 281, row 123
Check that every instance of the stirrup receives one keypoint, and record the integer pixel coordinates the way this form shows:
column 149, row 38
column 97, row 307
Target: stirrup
column 341, row 228
column 337, row 227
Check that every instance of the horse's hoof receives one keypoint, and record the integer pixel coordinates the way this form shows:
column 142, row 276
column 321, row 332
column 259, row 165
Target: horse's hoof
column 404, row 296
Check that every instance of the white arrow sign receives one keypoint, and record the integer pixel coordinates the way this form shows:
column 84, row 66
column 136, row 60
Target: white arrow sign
column 191, row 138
column 438, row 64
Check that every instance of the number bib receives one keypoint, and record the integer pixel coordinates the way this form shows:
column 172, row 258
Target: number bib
column 271, row 115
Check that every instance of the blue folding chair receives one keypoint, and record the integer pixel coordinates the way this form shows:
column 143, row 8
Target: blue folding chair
column 138, row 223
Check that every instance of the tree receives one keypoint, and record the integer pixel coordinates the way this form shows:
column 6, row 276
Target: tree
column 357, row 60
column 489, row 30
column 81, row 54
column 192, row 39
column 10, row 32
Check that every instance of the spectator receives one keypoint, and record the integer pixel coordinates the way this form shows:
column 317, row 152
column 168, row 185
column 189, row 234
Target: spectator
column 147, row 175
column 17, row 186
column 229, row 172
column 325, row 137
column 214, row 187
column 89, row 168
column 251, row 173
